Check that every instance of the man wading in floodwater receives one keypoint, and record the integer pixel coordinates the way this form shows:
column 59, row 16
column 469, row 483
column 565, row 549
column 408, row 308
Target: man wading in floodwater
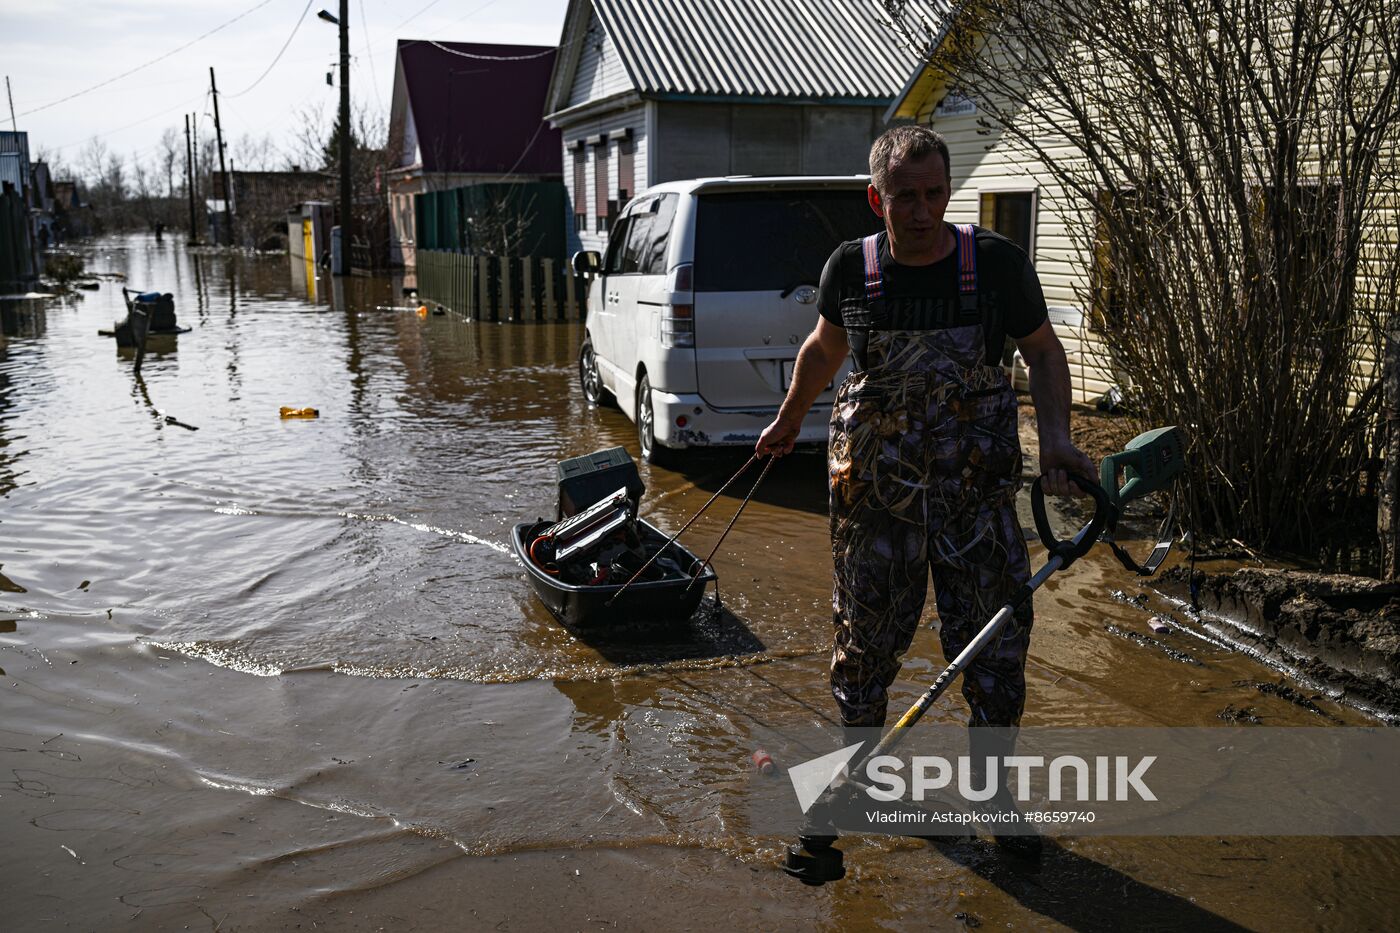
column 924, row 456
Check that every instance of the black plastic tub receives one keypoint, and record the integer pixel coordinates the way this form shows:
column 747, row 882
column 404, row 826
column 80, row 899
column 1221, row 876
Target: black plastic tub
column 584, row 607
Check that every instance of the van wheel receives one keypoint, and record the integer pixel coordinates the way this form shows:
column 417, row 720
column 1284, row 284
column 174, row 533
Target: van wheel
column 652, row 452
column 590, row 377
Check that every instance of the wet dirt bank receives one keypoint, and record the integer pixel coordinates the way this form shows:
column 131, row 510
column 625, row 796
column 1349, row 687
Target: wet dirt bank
column 1341, row 631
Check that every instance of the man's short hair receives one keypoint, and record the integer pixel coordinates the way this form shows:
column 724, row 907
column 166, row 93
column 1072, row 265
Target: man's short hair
column 904, row 142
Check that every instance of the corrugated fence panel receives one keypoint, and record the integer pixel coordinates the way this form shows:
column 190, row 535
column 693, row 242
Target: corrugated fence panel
column 519, row 289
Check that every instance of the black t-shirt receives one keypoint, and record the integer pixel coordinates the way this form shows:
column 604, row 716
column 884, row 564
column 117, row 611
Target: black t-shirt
column 1009, row 296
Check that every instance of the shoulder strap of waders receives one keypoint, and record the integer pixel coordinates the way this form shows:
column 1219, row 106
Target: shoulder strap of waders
column 874, row 276
column 965, row 251
column 1159, row 551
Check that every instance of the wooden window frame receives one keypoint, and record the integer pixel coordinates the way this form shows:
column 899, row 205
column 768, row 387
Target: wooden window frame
column 994, row 191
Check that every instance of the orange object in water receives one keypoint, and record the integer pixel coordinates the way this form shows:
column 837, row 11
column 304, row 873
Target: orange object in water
column 422, row 310
column 299, row 412
column 763, row 761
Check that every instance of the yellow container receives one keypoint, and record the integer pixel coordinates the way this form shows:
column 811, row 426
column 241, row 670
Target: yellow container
column 299, row 412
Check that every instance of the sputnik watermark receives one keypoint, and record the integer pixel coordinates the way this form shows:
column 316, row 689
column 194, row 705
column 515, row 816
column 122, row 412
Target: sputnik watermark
column 1335, row 781
column 1108, row 778
column 934, row 773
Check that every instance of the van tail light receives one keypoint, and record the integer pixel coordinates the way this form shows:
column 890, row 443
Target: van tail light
column 678, row 313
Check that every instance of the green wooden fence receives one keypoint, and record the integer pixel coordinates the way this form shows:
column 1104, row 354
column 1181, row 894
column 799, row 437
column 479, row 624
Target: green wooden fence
column 501, row 288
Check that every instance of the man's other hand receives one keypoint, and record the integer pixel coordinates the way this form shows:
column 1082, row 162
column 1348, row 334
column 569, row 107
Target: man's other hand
column 1058, row 459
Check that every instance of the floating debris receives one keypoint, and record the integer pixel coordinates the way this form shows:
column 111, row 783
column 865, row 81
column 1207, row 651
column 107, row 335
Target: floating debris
column 1233, row 713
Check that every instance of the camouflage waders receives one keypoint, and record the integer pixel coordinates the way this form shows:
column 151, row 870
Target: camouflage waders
column 925, row 463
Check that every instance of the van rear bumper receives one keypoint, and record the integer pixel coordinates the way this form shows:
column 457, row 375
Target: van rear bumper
column 706, row 426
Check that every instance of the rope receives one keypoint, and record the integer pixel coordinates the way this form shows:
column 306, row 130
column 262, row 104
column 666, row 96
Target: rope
column 729, row 482
column 706, row 562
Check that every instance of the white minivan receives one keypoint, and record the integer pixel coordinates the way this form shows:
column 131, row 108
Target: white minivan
column 705, row 294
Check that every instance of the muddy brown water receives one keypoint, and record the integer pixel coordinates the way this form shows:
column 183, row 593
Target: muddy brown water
column 274, row 674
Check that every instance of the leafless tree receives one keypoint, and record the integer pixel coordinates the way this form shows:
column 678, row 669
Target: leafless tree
column 92, row 161
column 255, row 153
column 59, row 170
column 1227, row 170
column 172, row 145
column 500, row 225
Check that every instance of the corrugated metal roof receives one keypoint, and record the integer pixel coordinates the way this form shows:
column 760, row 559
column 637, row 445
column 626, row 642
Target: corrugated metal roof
column 803, row 49
column 14, row 159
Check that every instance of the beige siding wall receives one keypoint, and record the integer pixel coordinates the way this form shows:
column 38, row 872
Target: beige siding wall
column 980, row 166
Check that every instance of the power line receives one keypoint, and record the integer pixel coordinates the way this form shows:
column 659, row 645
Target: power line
column 425, row 9
column 149, row 63
column 128, row 126
column 300, row 19
column 374, row 74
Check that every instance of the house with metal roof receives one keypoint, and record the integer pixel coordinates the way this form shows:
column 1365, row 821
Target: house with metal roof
column 651, row 92
column 465, row 113
column 20, row 260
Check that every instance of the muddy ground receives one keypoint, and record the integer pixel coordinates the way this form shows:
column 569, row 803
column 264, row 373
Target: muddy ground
column 1340, row 631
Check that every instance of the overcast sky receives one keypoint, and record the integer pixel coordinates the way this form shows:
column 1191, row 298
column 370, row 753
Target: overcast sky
column 51, row 50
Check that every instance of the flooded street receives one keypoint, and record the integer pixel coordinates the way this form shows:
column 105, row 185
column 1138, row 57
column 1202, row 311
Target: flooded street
column 270, row 673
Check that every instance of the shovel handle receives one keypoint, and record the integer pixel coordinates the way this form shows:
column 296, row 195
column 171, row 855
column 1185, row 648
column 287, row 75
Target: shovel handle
column 1070, row 551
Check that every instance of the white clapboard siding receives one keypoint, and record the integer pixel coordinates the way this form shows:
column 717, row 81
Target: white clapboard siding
column 612, row 123
column 600, row 72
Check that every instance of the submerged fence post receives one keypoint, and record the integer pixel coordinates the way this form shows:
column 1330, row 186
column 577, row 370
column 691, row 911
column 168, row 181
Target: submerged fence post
column 469, row 287
column 551, row 308
column 510, row 302
column 486, row 310
column 528, row 306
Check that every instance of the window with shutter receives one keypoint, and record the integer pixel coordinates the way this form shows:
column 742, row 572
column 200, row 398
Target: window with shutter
column 580, row 192
column 600, row 187
column 626, row 184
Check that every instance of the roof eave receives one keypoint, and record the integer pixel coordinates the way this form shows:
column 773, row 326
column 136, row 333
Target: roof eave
column 923, row 84
column 769, row 99
column 619, row 101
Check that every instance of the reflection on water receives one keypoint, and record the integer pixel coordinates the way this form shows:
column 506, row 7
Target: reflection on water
column 373, row 541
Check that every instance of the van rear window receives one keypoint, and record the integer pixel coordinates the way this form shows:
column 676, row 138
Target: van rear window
column 754, row 241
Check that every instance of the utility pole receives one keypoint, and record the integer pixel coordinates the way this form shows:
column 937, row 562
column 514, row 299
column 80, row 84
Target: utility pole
column 219, row 141
column 346, row 205
column 194, row 123
column 8, row 93
column 189, row 180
